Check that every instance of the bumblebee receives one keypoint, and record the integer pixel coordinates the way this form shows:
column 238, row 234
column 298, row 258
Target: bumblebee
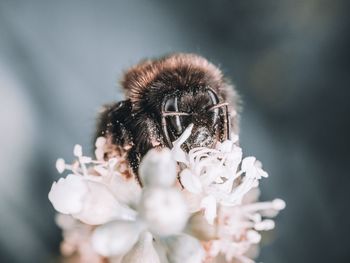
column 164, row 96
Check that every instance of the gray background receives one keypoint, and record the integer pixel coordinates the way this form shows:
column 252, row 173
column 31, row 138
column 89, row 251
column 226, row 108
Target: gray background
column 60, row 60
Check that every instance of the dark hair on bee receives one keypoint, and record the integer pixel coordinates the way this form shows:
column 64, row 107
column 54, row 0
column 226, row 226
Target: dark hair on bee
column 163, row 96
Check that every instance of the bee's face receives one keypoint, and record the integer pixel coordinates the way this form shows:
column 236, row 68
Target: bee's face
column 168, row 94
column 163, row 97
column 198, row 106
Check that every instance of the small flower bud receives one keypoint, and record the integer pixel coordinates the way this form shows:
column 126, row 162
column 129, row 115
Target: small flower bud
column 60, row 165
column 78, row 151
column 158, row 168
column 164, row 210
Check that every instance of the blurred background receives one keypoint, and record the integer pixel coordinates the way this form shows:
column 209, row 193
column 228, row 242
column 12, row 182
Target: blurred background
column 61, row 60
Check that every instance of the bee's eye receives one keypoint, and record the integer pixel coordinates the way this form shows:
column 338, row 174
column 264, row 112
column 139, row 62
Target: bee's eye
column 215, row 112
column 171, row 105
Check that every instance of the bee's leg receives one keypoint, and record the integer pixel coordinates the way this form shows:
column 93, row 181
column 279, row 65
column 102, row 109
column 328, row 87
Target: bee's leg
column 134, row 162
column 228, row 123
column 113, row 125
column 146, row 135
column 166, row 134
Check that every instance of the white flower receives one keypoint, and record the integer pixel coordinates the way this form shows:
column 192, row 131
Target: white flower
column 89, row 201
column 90, row 198
column 147, row 224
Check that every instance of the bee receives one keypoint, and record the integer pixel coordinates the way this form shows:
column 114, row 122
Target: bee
column 163, row 97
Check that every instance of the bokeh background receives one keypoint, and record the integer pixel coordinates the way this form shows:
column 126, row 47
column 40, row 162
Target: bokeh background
column 61, row 60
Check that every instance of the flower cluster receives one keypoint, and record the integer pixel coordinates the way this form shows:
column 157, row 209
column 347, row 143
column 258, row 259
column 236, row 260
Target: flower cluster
column 216, row 176
column 193, row 207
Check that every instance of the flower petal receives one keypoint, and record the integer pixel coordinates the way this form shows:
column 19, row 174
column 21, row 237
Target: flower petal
column 126, row 190
column 225, row 146
column 179, row 155
column 184, row 136
column 184, row 249
column 115, row 238
column 143, row 251
column 101, row 206
column 68, row 193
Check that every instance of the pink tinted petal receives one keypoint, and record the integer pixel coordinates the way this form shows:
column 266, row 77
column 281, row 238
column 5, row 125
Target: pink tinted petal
column 209, row 205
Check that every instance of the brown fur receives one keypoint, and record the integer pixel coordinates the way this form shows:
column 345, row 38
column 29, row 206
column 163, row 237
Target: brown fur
column 138, row 78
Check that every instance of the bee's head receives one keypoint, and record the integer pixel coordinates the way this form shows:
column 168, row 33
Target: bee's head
column 201, row 107
column 181, row 89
